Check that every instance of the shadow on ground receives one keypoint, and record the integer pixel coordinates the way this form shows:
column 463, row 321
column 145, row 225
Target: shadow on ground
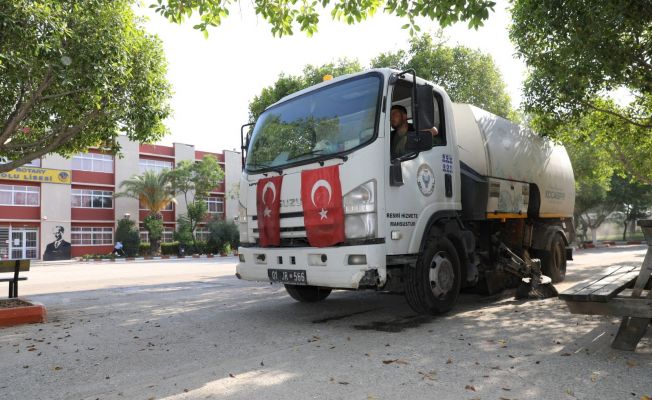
column 223, row 338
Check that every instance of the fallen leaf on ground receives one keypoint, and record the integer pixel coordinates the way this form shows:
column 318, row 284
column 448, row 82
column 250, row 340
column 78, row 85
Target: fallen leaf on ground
column 506, row 389
column 428, row 375
column 343, row 383
column 395, row 361
column 646, row 397
column 58, row 368
column 470, row 387
column 631, row 363
column 449, row 361
column 231, row 376
column 565, row 354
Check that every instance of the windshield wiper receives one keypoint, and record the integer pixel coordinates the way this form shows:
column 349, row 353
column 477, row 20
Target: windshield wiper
column 262, row 166
column 317, row 152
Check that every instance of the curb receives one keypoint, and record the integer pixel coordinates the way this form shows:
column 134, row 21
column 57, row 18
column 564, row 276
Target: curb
column 608, row 243
column 149, row 258
column 35, row 313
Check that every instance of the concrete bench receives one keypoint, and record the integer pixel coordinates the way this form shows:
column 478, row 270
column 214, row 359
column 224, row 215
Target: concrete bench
column 14, row 267
column 623, row 291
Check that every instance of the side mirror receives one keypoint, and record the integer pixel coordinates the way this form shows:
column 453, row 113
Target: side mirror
column 425, row 107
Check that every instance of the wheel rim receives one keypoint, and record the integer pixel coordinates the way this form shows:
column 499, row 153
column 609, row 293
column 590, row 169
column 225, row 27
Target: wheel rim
column 441, row 275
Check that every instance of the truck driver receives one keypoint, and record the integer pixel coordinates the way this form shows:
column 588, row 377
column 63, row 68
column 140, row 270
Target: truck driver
column 398, row 118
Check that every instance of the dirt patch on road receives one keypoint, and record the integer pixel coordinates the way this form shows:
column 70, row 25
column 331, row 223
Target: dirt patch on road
column 395, row 325
column 13, row 303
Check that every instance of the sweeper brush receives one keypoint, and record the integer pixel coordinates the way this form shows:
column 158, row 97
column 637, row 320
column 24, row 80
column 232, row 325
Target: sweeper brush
column 533, row 285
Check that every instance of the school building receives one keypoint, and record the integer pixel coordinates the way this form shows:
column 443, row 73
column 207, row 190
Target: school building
column 56, row 206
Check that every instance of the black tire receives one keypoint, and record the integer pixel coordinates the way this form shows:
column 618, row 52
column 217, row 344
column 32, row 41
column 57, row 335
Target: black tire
column 307, row 294
column 553, row 261
column 432, row 287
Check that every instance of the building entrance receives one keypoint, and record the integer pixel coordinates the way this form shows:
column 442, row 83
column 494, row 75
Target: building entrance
column 18, row 243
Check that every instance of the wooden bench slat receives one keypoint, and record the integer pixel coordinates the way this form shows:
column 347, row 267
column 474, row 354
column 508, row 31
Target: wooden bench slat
column 582, row 286
column 610, row 291
column 617, row 306
column 603, row 288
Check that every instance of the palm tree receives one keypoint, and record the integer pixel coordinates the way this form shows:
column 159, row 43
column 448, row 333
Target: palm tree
column 154, row 191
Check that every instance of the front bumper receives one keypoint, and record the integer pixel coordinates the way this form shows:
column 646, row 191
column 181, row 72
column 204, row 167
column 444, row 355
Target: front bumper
column 334, row 272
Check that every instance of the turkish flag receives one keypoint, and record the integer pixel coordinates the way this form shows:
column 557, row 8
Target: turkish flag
column 268, row 210
column 323, row 214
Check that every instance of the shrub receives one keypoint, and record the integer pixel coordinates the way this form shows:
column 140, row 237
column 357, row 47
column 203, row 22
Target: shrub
column 170, row 248
column 127, row 234
column 143, row 249
column 153, row 223
column 223, row 236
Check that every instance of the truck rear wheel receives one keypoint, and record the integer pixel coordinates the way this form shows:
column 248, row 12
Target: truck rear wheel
column 307, row 294
column 553, row 261
column 432, row 287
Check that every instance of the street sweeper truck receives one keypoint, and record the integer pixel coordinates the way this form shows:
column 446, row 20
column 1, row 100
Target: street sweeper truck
column 337, row 192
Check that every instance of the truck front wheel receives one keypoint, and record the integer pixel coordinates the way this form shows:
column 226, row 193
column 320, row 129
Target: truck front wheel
column 307, row 294
column 553, row 262
column 432, row 287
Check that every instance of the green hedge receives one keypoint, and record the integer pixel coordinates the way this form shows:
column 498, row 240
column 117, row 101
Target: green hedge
column 172, row 248
column 143, row 248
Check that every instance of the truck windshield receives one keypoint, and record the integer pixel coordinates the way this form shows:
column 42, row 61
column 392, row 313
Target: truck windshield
column 319, row 124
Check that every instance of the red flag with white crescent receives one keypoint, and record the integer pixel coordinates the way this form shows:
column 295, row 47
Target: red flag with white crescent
column 268, row 210
column 323, row 213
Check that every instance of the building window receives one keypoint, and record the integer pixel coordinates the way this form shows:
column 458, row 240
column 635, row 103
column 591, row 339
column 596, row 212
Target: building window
column 91, row 236
column 15, row 195
column 83, row 198
column 202, row 234
column 93, row 162
column 215, row 205
column 154, row 165
column 166, row 237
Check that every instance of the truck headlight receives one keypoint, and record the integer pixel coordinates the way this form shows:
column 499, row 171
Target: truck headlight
column 360, row 212
column 360, row 226
column 242, row 223
column 361, row 199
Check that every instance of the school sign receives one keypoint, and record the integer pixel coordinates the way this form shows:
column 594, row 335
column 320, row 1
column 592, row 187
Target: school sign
column 35, row 174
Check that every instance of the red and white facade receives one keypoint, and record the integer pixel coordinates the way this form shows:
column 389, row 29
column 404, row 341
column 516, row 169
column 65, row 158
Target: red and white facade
column 31, row 207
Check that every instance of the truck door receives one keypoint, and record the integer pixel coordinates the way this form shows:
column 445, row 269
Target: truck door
column 427, row 177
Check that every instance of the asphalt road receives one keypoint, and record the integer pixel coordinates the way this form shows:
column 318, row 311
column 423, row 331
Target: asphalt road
column 191, row 330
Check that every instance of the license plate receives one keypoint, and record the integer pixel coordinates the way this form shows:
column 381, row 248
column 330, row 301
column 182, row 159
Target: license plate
column 293, row 276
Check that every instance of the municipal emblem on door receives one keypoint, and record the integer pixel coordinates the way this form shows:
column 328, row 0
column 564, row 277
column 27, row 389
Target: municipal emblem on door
column 425, row 180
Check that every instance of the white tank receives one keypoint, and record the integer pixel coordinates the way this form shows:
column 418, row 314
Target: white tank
column 496, row 148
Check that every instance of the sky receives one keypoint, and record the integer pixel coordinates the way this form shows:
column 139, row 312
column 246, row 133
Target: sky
column 214, row 79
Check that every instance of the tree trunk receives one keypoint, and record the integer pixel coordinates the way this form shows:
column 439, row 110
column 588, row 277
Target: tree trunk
column 625, row 230
column 154, row 247
column 594, row 235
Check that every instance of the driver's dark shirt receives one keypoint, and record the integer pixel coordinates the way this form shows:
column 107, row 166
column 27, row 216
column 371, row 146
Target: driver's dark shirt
column 397, row 142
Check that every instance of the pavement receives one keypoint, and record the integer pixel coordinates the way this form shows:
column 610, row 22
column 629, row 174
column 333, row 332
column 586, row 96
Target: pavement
column 188, row 329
